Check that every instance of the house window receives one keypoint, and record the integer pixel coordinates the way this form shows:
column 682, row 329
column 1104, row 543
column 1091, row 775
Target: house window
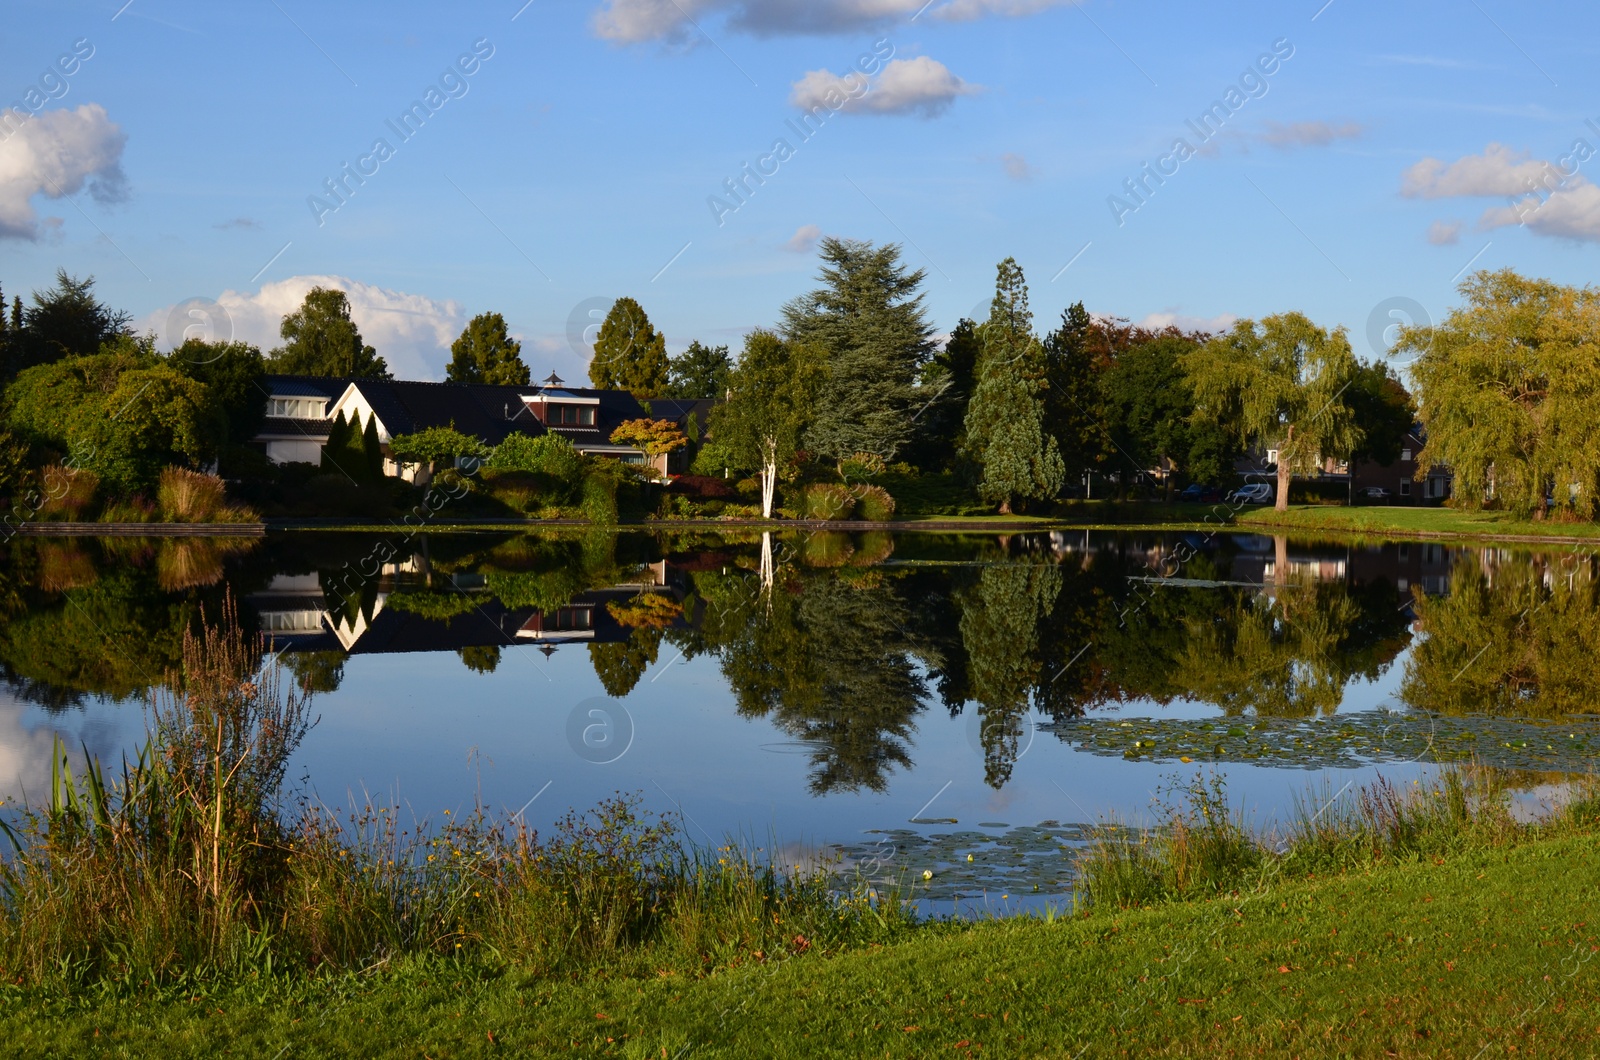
column 1405, row 489
column 1405, row 454
column 1272, row 456
column 571, row 415
column 296, row 408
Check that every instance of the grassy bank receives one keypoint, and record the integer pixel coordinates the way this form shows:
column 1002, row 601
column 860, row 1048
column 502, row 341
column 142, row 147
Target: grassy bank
column 1488, row 951
column 1383, row 521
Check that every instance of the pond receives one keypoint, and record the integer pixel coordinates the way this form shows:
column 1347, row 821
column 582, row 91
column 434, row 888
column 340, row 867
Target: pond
column 900, row 701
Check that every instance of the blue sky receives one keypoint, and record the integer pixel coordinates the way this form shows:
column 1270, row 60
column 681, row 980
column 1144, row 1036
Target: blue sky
column 1374, row 163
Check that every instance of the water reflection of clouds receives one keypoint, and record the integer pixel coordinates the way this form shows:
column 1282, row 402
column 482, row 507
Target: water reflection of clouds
column 28, row 733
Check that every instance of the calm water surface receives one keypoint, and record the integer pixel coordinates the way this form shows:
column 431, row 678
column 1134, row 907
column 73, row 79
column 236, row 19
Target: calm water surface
column 903, row 699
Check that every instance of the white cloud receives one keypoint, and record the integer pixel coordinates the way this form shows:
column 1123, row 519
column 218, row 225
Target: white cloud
column 905, row 86
column 805, row 237
column 1308, row 133
column 1572, row 212
column 1016, row 166
column 57, row 153
column 1444, row 233
column 1549, row 198
column 633, row 21
column 1171, row 318
column 1498, row 171
column 412, row 332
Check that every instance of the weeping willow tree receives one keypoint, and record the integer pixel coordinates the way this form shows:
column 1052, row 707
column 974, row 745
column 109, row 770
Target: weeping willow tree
column 1519, row 640
column 1508, row 388
column 1281, row 385
column 1280, row 654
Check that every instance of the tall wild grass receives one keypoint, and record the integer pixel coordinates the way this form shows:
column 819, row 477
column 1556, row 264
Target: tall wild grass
column 1200, row 847
column 186, row 863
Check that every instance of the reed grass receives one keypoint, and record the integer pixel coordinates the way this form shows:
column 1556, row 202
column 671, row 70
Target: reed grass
column 185, row 496
column 1201, row 848
column 188, row 865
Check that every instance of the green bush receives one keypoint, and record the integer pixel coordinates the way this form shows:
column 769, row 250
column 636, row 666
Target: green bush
column 548, row 454
column 828, row 501
column 599, row 499
column 874, row 503
column 860, row 466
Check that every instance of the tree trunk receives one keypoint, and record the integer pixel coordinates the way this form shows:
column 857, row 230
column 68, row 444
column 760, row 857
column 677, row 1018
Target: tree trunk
column 1005, row 506
column 1282, row 504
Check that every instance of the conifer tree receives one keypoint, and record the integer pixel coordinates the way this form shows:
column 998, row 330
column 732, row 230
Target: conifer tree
column 869, row 319
column 371, row 450
column 334, row 448
column 1005, row 426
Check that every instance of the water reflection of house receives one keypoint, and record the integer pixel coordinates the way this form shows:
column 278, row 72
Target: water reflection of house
column 295, row 612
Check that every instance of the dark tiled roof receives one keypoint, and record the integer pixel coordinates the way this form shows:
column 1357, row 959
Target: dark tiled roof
column 304, row 386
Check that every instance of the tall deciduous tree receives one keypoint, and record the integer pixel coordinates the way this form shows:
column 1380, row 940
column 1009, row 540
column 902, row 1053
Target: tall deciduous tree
column 699, row 372
column 629, row 353
column 774, row 391
column 319, row 338
column 485, row 352
column 1508, row 390
column 1384, row 411
column 869, row 320
column 1005, row 424
column 1149, row 408
column 122, row 413
column 232, row 372
column 1279, row 384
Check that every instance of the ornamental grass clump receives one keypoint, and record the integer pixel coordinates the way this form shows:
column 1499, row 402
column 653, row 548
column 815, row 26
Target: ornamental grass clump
column 827, row 501
column 185, row 496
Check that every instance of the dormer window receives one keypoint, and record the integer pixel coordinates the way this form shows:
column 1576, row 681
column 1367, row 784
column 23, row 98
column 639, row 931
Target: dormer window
column 570, row 415
column 297, row 408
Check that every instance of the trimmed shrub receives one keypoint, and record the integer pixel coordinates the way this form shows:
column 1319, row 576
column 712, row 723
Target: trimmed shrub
column 548, row 454
column 874, row 503
column 703, row 487
column 825, row 500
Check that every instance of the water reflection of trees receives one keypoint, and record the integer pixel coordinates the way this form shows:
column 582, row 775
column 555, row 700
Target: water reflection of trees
column 102, row 616
column 1512, row 637
column 826, row 657
column 846, row 662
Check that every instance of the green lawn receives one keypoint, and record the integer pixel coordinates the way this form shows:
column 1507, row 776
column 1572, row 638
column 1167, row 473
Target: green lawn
column 1490, row 954
column 1404, row 520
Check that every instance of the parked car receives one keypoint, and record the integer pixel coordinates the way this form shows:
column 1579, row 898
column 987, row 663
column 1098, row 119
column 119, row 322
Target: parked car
column 1195, row 493
column 1254, row 493
column 1375, row 493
